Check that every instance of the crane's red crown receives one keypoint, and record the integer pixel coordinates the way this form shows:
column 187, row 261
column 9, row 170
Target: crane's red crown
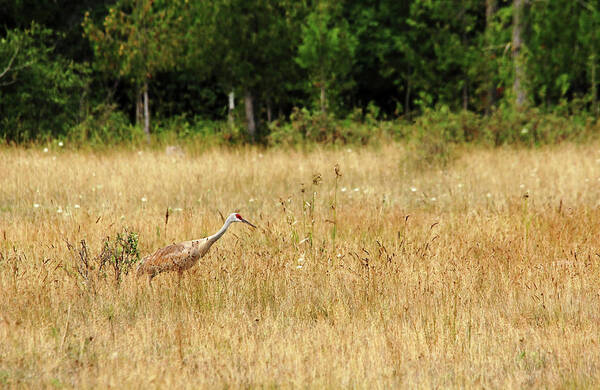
column 238, row 216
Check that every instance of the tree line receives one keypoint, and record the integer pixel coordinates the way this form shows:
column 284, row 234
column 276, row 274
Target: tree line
column 66, row 65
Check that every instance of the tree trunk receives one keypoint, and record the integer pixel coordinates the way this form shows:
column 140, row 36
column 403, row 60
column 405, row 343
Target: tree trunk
column 491, row 7
column 269, row 111
column 519, row 65
column 594, row 86
column 231, row 108
column 249, row 103
column 465, row 43
column 139, row 107
column 323, row 99
column 407, row 99
column 146, row 113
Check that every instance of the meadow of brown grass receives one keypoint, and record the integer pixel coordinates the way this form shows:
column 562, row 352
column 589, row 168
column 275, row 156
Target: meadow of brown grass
column 440, row 277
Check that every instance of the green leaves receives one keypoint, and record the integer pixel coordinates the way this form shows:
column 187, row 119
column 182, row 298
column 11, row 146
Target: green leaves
column 404, row 56
column 137, row 38
column 327, row 47
column 40, row 92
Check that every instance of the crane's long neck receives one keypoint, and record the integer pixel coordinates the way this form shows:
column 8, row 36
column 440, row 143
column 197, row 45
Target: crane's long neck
column 222, row 231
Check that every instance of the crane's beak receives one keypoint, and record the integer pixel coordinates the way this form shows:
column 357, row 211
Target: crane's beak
column 243, row 220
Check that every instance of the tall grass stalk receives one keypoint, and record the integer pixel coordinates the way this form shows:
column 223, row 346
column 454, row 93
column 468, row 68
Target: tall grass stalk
column 338, row 175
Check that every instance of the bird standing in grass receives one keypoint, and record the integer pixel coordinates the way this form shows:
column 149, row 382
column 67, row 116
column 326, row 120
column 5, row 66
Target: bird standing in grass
column 181, row 256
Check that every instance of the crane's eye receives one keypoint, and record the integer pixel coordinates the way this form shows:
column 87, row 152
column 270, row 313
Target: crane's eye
column 238, row 216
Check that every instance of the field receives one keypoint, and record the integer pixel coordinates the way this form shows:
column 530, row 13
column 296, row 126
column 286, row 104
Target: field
column 483, row 273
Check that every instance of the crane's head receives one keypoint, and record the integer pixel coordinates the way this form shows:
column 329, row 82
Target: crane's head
column 235, row 217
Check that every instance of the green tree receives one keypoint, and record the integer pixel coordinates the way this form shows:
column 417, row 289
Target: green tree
column 41, row 92
column 251, row 44
column 491, row 6
column 280, row 74
column 137, row 39
column 327, row 48
column 429, row 50
column 518, row 8
column 589, row 38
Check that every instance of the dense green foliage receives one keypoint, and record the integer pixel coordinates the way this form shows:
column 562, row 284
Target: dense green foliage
column 328, row 71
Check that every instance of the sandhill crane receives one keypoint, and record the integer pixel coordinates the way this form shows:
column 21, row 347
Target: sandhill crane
column 181, row 256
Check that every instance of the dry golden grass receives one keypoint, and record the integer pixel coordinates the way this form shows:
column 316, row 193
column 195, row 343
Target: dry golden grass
column 438, row 278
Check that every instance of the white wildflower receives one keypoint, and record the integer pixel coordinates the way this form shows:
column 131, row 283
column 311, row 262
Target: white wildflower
column 344, row 189
column 36, row 205
column 413, row 189
column 45, row 150
column 300, row 261
column 144, row 199
column 524, row 130
column 76, row 206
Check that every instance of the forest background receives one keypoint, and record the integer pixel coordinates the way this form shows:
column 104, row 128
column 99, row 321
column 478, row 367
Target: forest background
column 287, row 72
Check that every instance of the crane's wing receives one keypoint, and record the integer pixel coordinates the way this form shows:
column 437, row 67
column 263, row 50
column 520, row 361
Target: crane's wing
column 174, row 257
column 164, row 259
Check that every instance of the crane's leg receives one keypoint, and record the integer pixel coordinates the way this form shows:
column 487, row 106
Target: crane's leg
column 179, row 276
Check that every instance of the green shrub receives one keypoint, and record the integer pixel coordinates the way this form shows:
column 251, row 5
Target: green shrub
column 434, row 135
column 318, row 127
column 179, row 129
column 533, row 127
column 105, row 126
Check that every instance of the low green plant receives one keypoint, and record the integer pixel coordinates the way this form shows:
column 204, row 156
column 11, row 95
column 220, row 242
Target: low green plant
column 105, row 126
column 120, row 253
column 307, row 127
column 197, row 133
column 533, row 127
column 434, row 135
